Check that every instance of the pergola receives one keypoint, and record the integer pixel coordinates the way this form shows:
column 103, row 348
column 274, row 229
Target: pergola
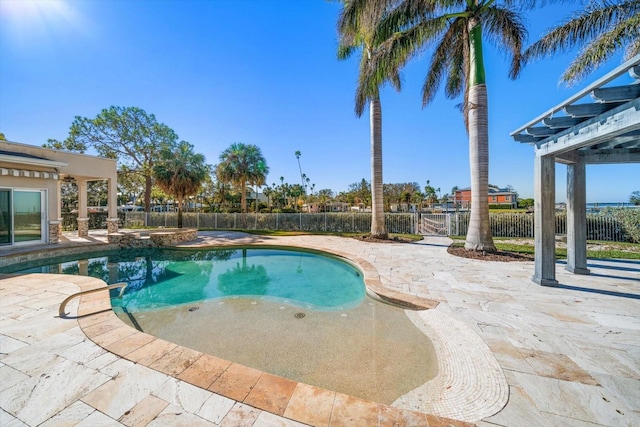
column 598, row 125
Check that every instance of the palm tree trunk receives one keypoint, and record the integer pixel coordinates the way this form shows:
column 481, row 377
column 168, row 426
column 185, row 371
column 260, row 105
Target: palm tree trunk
column 479, row 232
column 243, row 199
column 179, row 213
column 377, row 208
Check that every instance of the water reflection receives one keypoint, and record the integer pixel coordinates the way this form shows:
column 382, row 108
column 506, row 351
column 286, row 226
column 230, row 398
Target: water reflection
column 159, row 278
column 244, row 279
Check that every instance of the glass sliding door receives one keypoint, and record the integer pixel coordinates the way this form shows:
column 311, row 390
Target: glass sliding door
column 5, row 217
column 27, row 216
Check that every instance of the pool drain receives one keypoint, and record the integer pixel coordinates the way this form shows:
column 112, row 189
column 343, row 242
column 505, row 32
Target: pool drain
column 194, row 308
column 299, row 315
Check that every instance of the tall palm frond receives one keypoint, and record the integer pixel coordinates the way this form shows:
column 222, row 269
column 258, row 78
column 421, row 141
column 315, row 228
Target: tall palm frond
column 603, row 28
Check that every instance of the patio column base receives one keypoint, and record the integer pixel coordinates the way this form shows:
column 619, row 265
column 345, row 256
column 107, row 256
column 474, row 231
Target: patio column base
column 577, row 270
column 83, row 227
column 545, row 282
column 112, row 225
column 55, row 231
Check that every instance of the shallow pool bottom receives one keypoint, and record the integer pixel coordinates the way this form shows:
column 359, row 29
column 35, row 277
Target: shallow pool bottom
column 372, row 351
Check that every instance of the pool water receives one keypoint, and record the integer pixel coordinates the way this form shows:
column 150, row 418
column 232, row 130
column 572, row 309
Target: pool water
column 297, row 314
column 159, row 278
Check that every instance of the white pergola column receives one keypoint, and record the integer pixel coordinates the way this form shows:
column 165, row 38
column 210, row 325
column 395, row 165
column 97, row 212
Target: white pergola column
column 83, row 219
column 544, row 221
column 112, row 203
column 576, row 218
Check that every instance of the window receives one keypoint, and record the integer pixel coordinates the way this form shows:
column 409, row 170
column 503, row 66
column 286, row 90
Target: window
column 22, row 216
column 27, row 215
column 5, row 217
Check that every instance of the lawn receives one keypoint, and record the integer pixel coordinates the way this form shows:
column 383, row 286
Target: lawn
column 595, row 248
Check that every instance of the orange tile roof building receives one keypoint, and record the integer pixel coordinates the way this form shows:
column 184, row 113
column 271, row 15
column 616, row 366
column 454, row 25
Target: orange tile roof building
column 496, row 196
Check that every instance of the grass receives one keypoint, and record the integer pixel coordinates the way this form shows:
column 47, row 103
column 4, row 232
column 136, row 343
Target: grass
column 412, row 237
column 617, row 250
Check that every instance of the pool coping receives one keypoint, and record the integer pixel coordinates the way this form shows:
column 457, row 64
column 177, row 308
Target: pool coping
column 281, row 396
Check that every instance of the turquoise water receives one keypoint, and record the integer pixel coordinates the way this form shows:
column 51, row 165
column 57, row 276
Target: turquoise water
column 168, row 277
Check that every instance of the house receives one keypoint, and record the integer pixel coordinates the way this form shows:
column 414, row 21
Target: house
column 495, row 196
column 315, row 207
column 30, row 195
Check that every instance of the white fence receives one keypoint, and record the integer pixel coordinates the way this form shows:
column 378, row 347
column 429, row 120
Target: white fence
column 599, row 227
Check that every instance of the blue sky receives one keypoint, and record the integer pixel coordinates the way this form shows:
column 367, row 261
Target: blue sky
column 265, row 72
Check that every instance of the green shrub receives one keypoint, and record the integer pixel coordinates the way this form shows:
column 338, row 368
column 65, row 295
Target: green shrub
column 629, row 220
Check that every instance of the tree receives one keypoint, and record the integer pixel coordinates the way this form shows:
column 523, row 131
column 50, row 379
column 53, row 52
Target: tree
column 356, row 28
column 2, row 137
column 129, row 135
column 324, row 196
column 242, row 165
column 180, row 172
column 635, row 198
column 430, row 193
column 359, row 193
column 302, row 176
column 455, row 28
column 603, row 28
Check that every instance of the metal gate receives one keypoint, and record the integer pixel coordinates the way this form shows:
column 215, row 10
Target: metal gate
column 434, row 224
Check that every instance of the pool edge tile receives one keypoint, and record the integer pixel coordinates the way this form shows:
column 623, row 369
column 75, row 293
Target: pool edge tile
column 204, row 371
column 129, row 344
column 349, row 410
column 149, row 353
column 236, row 382
column 311, row 405
column 271, row 393
column 175, row 361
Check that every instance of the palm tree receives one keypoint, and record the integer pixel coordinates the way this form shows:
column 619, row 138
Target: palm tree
column 302, row 176
column 604, row 27
column 180, row 173
column 456, row 29
column 356, row 27
column 242, row 165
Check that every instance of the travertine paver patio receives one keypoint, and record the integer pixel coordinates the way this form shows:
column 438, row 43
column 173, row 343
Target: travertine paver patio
column 571, row 355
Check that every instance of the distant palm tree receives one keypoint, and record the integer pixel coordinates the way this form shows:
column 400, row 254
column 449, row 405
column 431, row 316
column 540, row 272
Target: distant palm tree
column 456, row 29
column 242, row 165
column 356, row 27
column 180, row 172
column 302, row 176
column 603, row 28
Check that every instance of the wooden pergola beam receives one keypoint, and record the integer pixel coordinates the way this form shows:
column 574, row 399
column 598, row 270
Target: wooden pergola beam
column 599, row 129
column 616, row 94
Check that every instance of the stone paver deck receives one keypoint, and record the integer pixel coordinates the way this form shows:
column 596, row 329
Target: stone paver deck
column 568, row 355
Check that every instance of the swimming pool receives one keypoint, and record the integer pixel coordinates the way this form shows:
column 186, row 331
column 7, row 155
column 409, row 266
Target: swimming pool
column 297, row 314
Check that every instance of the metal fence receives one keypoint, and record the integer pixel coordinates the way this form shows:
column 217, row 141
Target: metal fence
column 329, row 221
column 599, row 226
